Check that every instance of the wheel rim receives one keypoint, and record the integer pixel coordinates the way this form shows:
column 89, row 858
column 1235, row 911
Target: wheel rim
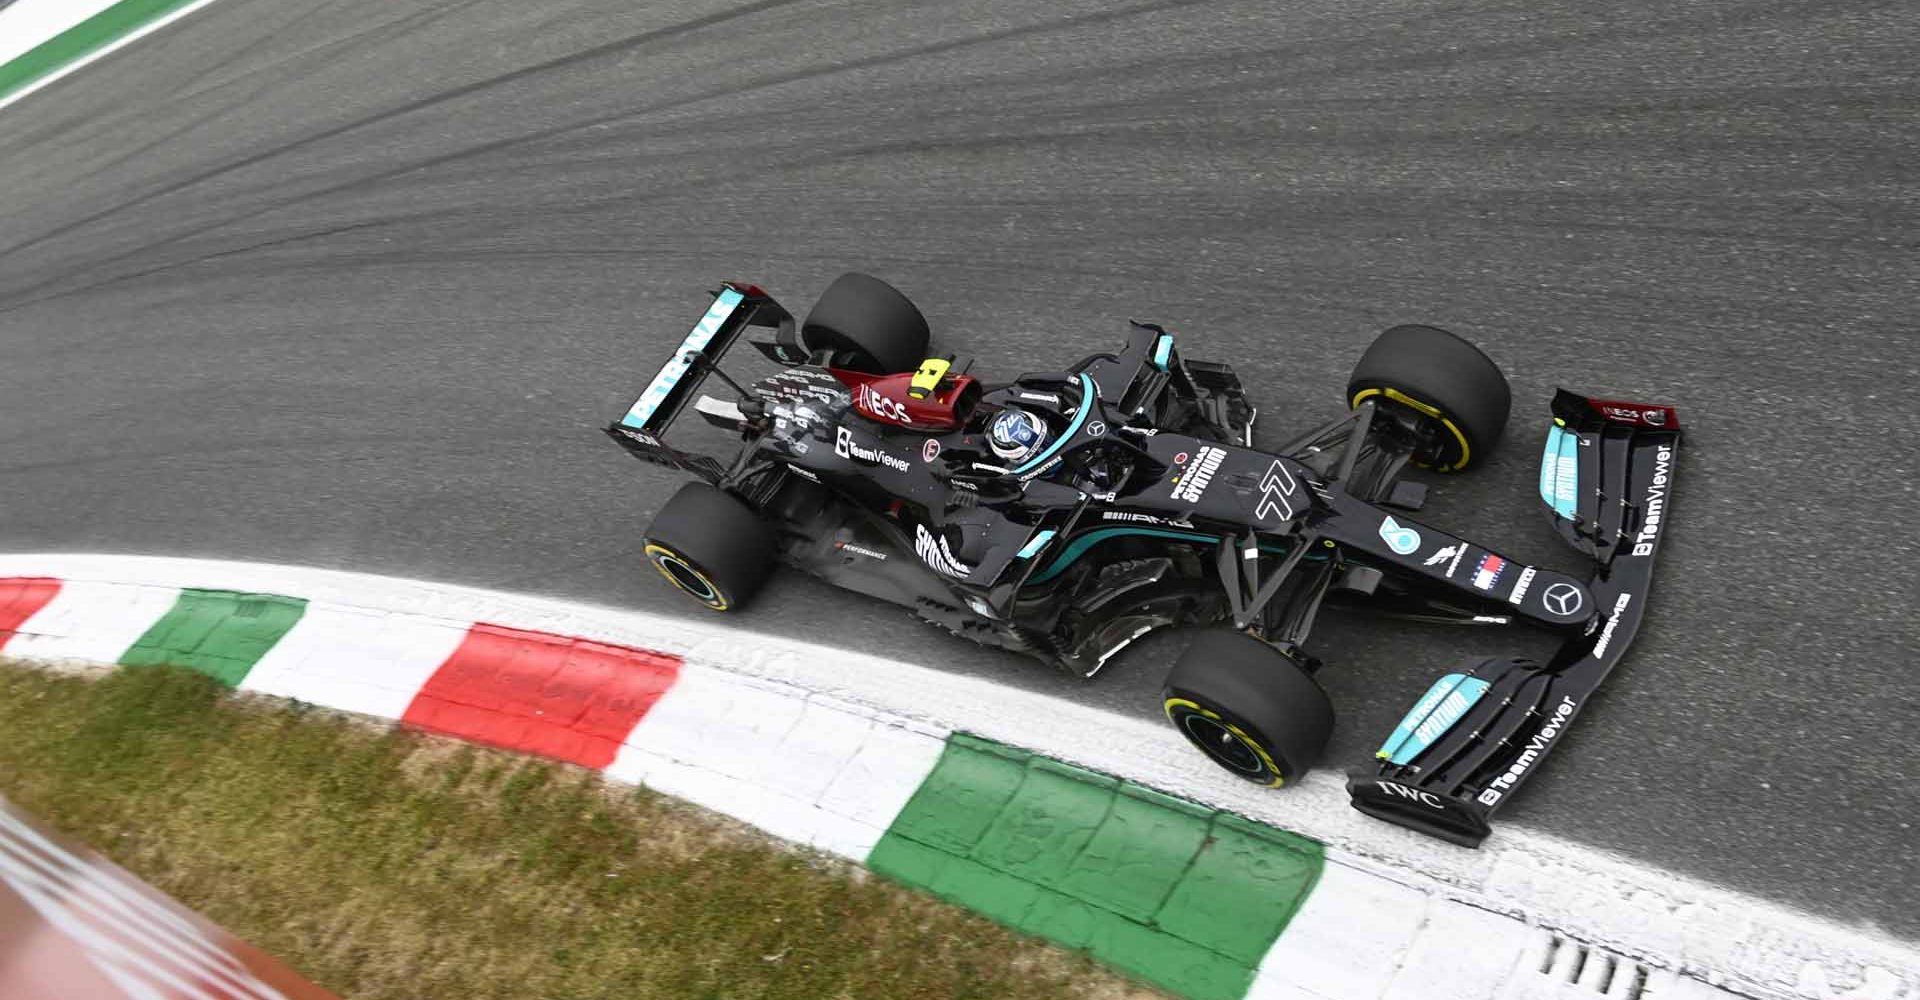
column 1447, row 434
column 1220, row 744
column 683, row 575
column 1223, row 742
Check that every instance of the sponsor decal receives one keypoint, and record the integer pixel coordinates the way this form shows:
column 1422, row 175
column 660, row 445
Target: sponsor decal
column 1277, row 488
column 1530, row 753
column 1427, row 799
column 871, row 400
column 1041, row 397
column 641, row 436
column 1656, row 503
column 934, row 552
column 1526, row 580
column 1560, row 472
column 1445, row 553
column 1107, row 497
column 1096, row 429
column 676, row 367
column 1052, row 463
column 802, row 473
column 1652, row 416
column 845, row 447
column 860, row 550
column 1193, row 481
column 1123, row 515
column 802, row 384
column 930, row 450
column 1563, row 599
column 1613, row 622
column 1430, row 718
column 1403, row 541
column 1487, row 574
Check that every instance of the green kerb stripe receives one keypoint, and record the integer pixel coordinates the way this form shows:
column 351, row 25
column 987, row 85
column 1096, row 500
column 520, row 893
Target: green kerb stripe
column 96, row 32
column 1179, row 894
column 221, row 633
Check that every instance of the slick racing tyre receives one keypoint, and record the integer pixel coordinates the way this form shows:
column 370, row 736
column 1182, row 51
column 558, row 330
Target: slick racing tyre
column 1457, row 394
column 1248, row 706
column 712, row 546
column 879, row 330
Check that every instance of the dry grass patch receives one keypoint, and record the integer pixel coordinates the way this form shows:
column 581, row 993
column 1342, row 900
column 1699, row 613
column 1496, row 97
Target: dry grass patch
column 387, row 863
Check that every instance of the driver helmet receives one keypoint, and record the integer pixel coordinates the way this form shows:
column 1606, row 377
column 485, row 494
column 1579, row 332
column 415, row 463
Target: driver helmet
column 1017, row 434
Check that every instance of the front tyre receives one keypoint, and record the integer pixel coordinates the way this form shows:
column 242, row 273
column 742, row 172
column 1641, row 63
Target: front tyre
column 711, row 546
column 1250, row 708
column 1451, row 390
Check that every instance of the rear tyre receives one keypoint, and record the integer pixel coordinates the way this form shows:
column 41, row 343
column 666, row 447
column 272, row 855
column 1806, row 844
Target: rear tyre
column 711, row 546
column 1249, row 707
column 878, row 328
column 1446, row 384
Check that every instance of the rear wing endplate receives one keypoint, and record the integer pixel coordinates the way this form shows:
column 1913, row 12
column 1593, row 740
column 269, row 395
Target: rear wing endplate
column 642, row 430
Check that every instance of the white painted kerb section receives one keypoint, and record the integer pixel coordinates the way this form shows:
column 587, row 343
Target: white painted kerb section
column 1424, row 900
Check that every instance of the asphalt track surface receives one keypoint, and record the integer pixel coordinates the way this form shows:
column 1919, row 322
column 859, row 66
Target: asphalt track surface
column 352, row 284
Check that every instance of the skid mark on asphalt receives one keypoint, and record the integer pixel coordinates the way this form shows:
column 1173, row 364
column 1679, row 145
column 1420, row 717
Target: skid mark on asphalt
column 401, row 111
column 514, row 142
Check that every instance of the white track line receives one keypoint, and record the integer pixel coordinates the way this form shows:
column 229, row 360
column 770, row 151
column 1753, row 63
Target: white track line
column 98, row 54
column 28, row 24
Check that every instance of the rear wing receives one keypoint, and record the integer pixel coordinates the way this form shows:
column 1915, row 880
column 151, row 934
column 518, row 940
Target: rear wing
column 642, row 430
column 1484, row 728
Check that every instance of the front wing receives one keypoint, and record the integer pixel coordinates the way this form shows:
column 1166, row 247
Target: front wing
column 1486, row 727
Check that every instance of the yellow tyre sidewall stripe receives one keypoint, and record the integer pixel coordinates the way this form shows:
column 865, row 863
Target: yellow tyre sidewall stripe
column 1240, row 734
column 1466, row 453
column 657, row 553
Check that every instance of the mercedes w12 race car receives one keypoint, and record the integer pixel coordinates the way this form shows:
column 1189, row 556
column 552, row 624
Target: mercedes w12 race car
column 1065, row 513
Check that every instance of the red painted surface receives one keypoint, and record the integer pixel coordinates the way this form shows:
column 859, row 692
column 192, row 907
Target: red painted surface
column 20, row 598
column 1654, row 415
column 884, row 398
column 547, row 694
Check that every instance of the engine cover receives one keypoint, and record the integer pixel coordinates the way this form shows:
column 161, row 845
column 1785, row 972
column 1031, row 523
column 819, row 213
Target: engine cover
column 886, row 399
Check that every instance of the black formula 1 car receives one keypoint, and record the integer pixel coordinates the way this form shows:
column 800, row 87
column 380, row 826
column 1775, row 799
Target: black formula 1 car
column 1066, row 513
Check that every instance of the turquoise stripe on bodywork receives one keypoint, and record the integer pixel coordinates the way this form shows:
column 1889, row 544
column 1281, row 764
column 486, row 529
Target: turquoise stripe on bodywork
column 1432, row 716
column 677, row 366
column 1079, row 419
column 1079, row 546
column 1560, row 471
column 1035, row 544
column 1163, row 351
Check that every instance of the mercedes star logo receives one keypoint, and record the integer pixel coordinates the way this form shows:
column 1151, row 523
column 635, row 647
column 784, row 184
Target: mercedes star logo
column 1563, row 599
